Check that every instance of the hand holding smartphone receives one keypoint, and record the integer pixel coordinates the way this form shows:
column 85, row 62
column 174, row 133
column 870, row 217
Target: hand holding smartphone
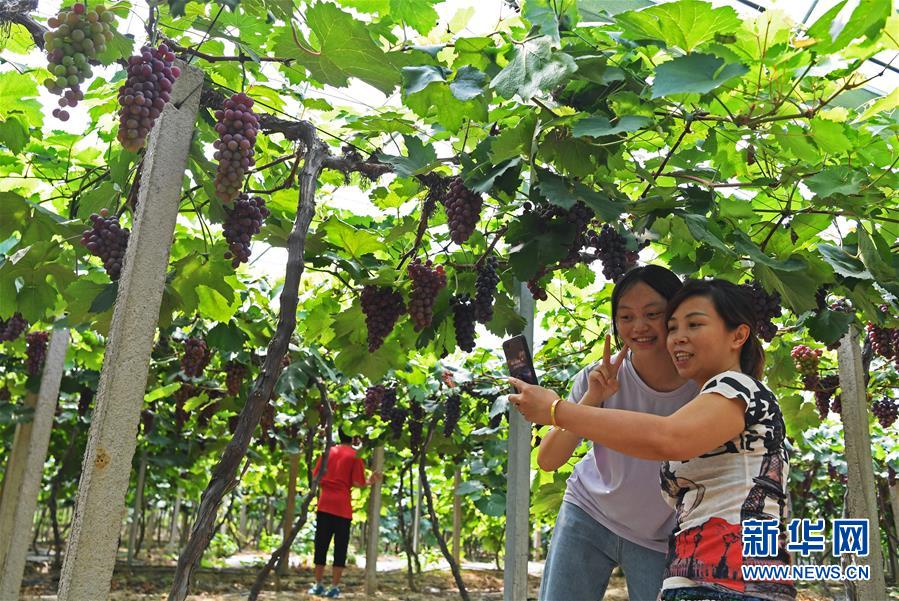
column 518, row 359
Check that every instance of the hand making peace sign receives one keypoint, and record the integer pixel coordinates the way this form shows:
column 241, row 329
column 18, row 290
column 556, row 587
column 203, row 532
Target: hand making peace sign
column 602, row 382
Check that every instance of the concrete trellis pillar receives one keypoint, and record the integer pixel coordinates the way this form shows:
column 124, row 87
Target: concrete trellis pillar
column 374, row 525
column 25, row 468
column 100, row 505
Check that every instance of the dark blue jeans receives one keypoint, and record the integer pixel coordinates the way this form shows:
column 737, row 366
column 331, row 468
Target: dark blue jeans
column 581, row 556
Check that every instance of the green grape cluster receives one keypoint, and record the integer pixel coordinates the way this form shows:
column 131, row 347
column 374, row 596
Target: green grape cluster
column 75, row 38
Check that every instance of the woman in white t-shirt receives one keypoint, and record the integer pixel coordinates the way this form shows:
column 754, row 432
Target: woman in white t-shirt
column 612, row 512
column 723, row 453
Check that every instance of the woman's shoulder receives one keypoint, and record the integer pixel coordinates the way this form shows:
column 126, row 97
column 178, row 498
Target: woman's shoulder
column 735, row 380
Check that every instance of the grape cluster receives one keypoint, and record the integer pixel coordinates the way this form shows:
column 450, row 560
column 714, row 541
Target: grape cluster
column 837, row 404
column 806, row 359
column 373, row 397
column 416, row 424
column 396, row 421
column 108, row 240
column 237, row 126
column 463, row 209
column 611, row 247
column 426, row 283
column 12, row 328
column 464, row 322
column 885, row 410
column 486, row 289
column 824, row 389
column 75, row 37
column 151, row 77
column 235, row 372
column 382, row 306
column 766, row 307
column 85, row 398
column 579, row 216
column 195, row 358
column 36, row 351
column 884, row 341
column 242, row 222
column 388, row 404
column 453, row 413
column 538, row 291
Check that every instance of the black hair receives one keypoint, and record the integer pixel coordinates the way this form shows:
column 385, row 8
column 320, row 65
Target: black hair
column 735, row 307
column 344, row 437
column 660, row 279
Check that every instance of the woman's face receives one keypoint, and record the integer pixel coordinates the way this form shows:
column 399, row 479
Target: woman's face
column 640, row 318
column 700, row 344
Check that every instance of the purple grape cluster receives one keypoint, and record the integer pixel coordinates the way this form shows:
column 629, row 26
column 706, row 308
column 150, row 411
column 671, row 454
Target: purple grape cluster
column 151, row 77
column 824, row 389
column 12, row 328
column 36, row 351
column 382, row 306
column 237, row 128
column 242, row 222
column 426, row 283
column 806, row 359
column 453, row 412
column 416, row 424
column 485, row 285
column 611, row 247
column 766, row 307
column 235, row 373
column 464, row 322
column 463, row 209
column 108, row 240
column 885, row 410
column 195, row 358
column 373, row 397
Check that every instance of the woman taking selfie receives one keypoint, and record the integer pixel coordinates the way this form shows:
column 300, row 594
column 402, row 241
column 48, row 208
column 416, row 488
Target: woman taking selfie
column 723, row 455
column 612, row 512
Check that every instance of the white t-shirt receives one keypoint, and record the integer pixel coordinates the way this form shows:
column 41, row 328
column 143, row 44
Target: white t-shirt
column 619, row 491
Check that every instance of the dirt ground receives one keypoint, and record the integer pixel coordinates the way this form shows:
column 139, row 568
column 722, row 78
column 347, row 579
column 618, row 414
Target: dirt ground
column 151, row 582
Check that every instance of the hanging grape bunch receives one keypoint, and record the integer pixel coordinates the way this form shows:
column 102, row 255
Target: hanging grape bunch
column 397, row 419
column 806, row 361
column 486, row 289
column 611, row 247
column 579, row 216
column 464, row 322
column 195, row 358
column 108, row 240
column 36, row 351
column 453, row 412
column 463, row 209
column 235, row 373
column 416, row 424
column 373, row 397
column 151, row 76
column 885, row 410
column 884, row 341
column 74, row 39
column 388, row 403
column 824, row 390
column 237, row 126
column 243, row 221
column 426, row 283
column 538, row 291
column 12, row 328
column 766, row 307
column 382, row 306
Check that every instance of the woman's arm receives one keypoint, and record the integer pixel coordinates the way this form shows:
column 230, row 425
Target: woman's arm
column 556, row 449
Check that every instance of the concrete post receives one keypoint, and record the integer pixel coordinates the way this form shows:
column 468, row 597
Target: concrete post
column 287, row 523
column 100, row 504
column 22, row 480
column 138, row 506
column 457, row 516
column 374, row 525
column 861, row 488
column 518, row 479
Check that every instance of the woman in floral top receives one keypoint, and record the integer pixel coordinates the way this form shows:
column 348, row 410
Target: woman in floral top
column 723, row 455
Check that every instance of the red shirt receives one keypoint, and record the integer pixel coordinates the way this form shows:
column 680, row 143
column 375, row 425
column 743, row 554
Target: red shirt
column 344, row 470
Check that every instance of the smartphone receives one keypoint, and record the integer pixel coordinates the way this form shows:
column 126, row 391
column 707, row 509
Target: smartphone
column 518, row 358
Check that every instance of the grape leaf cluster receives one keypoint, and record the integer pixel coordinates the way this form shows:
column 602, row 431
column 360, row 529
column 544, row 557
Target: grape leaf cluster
column 453, row 413
column 12, row 328
column 108, row 240
column 235, row 373
column 151, row 77
column 766, row 307
column 382, row 306
column 75, row 38
column 195, row 358
column 463, row 209
column 242, row 222
column 485, row 286
column 373, row 397
column 35, row 351
column 464, row 322
column 237, row 126
column 426, row 283
column 885, row 410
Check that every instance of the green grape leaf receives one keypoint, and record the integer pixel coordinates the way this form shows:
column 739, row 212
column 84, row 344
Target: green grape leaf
column 694, row 73
column 686, row 24
column 535, row 68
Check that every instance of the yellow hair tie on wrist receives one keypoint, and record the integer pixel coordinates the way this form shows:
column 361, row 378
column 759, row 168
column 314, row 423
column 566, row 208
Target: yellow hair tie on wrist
column 552, row 412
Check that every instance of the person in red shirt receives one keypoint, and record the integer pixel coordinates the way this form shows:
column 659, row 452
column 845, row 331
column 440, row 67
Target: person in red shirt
column 335, row 510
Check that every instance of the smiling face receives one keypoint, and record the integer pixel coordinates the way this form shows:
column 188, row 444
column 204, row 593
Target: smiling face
column 640, row 319
column 700, row 343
